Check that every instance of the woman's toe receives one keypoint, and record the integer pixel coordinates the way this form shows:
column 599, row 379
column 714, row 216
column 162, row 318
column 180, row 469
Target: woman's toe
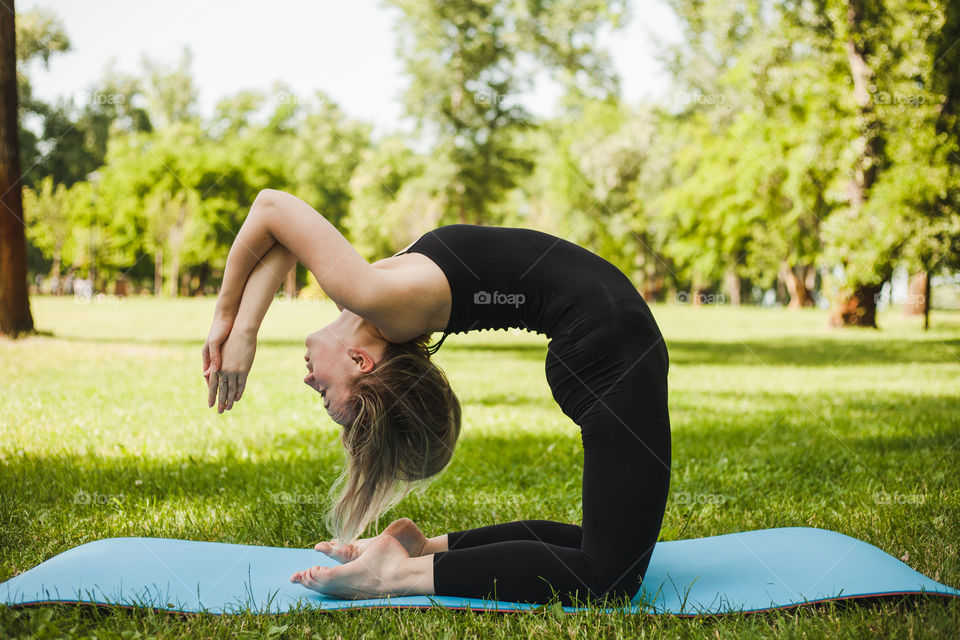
column 321, row 573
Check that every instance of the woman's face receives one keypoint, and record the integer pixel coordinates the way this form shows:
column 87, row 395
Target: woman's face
column 329, row 370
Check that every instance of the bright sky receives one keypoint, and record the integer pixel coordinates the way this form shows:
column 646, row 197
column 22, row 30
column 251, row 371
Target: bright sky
column 345, row 48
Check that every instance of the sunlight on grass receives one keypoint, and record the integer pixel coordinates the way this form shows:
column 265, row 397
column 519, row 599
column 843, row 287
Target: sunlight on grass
column 777, row 421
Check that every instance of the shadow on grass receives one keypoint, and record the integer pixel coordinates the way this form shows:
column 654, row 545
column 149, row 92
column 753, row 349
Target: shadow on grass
column 55, row 499
column 813, row 352
column 58, row 500
column 536, row 351
column 512, row 460
column 933, row 414
column 196, row 342
column 73, row 478
column 790, row 351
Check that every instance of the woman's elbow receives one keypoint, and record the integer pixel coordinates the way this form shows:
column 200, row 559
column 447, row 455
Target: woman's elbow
column 266, row 197
column 264, row 208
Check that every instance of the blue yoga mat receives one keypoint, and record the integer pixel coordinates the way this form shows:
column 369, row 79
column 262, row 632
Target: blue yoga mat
column 736, row 572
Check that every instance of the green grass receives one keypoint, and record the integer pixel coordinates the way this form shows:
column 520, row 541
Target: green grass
column 776, row 419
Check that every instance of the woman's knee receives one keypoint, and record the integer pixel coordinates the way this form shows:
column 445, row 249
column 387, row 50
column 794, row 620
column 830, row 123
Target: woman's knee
column 618, row 581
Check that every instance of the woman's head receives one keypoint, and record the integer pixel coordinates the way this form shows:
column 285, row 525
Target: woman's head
column 400, row 419
column 335, row 355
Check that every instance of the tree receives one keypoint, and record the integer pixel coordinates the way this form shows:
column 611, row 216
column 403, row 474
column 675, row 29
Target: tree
column 933, row 243
column 830, row 149
column 48, row 227
column 394, row 198
column 170, row 92
column 15, row 315
column 464, row 57
column 167, row 215
column 861, row 31
column 758, row 146
column 593, row 168
column 901, row 194
column 39, row 35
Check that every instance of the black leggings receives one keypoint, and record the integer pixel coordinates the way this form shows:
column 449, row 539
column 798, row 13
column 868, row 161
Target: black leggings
column 626, row 478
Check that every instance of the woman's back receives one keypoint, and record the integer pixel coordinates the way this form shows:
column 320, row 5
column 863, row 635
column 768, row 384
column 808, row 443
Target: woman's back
column 502, row 277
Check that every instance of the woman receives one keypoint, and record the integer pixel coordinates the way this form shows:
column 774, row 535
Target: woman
column 606, row 366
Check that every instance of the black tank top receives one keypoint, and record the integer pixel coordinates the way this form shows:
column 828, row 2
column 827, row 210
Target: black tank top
column 503, row 277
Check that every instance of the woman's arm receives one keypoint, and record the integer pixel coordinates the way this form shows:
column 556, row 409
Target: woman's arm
column 249, row 247
column 279, row 217
column 251, row 244
column 240, row 345
column 261, row 288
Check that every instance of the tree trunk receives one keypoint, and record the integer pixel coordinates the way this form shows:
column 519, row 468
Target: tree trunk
column 780, row 288
column 733, row 287
column 15, row 316
column 796, row 280
column 290, row 284
column 203, row 275
column 652, row 288
column 158, row 273
column 916, row 303
column 699, row 295
column 175, row 239
column 174, row 274
column 858, row 307
column 56, row 273
column 811, row 283
column 918, row 297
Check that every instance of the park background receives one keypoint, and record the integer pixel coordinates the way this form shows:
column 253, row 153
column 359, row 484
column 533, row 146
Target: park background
column 774, row 177
column 772, row 152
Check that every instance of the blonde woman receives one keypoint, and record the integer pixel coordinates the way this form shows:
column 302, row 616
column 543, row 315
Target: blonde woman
column 606, row 366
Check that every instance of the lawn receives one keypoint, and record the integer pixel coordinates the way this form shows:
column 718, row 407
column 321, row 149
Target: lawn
column 777, row 421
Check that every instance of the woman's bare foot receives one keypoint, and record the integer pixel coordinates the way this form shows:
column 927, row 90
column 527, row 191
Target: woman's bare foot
column 405, row 531
column 384, row 569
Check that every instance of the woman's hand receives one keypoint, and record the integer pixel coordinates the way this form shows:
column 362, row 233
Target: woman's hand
column 219, row 331
column 229, row 381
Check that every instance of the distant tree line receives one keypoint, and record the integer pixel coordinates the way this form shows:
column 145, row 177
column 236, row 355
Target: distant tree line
column 807, row 146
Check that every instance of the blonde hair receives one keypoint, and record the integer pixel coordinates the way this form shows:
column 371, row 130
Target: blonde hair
column 405, row 424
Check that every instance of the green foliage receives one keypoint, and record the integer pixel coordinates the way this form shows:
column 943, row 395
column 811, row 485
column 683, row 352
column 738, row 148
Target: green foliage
column 396, row 197
column 785, row 164
column 761, row 143
column 47, row 214
column 466, row 59
column 772, row 157
column 596, row 165
column 170, row 92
